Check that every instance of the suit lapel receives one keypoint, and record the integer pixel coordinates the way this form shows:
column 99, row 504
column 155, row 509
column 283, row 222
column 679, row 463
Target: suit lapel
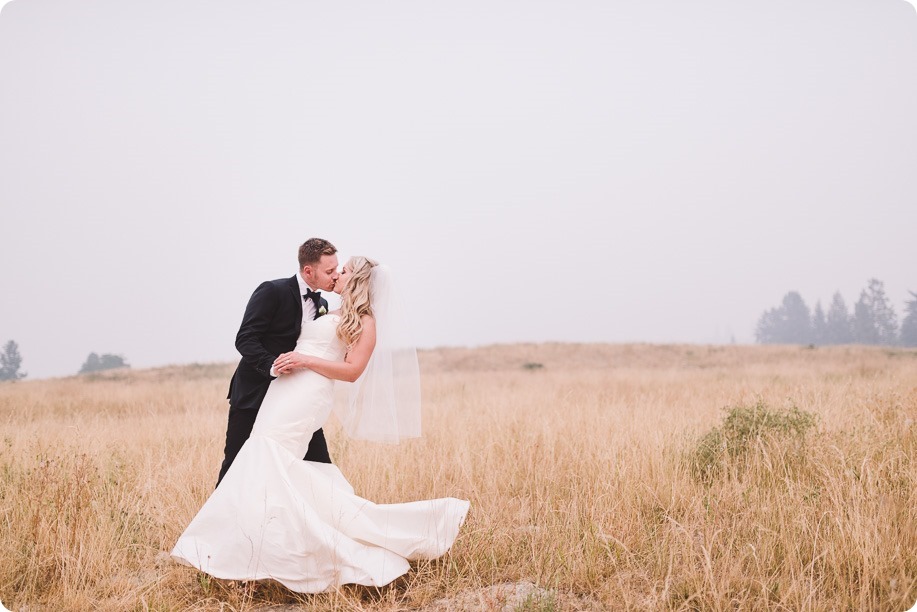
column 297, row 299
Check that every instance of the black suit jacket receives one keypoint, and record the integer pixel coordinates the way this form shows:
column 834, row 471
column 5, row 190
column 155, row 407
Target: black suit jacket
column 270, row 326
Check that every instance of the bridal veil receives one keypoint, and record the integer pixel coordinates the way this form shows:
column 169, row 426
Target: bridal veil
column 383, row 404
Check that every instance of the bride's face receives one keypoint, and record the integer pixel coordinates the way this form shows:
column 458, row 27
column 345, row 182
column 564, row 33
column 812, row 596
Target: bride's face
column 341, row 282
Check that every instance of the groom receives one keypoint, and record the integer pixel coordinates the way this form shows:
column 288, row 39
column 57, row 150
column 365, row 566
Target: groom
column 271, row 325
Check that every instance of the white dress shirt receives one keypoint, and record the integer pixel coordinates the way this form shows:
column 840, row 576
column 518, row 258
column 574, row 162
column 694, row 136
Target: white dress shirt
column 308, row 306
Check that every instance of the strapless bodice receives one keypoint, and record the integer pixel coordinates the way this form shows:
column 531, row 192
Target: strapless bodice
column 319, row 338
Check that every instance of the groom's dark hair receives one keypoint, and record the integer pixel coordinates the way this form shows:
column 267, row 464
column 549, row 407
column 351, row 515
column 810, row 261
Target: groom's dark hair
column 312, row 250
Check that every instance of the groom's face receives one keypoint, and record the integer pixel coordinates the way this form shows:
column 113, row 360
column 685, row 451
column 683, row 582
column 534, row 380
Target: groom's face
column 323, row 274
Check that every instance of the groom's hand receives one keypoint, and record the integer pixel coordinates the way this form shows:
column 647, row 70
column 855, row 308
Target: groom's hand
column 290, row 362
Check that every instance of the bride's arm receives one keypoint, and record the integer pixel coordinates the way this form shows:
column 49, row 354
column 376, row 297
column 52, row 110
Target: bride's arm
column 354, row 361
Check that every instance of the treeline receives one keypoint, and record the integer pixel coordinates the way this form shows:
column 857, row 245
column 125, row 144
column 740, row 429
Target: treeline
column 97, row 363
column 873, row 321
column 11, row 362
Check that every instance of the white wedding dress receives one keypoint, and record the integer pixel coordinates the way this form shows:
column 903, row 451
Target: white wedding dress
column 275, row 516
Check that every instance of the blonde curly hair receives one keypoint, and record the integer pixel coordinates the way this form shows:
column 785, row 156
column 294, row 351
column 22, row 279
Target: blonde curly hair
column 355, row 299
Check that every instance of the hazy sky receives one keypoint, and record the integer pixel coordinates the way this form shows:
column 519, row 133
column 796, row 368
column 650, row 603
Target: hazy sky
column 533, row 170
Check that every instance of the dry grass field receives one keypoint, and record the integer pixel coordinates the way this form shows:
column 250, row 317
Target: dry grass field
column 612, row 477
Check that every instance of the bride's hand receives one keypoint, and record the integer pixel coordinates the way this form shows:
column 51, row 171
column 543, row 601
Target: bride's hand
column 290, row 362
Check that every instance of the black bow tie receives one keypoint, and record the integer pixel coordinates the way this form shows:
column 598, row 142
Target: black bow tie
column 316, row 297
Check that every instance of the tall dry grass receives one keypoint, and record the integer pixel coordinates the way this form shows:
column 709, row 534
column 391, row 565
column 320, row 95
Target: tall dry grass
column 581, row 474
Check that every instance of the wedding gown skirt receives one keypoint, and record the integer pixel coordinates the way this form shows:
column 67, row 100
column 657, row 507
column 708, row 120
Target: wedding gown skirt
column 275, row 516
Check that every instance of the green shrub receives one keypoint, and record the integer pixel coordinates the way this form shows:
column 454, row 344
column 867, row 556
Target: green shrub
column 743, row 428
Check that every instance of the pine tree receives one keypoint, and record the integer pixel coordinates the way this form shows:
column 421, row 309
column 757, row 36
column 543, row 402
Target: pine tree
column 908, row 335
column 875, row 321
column 798, row 321
column 819, row 326
column 839, row 328
column 864, row 323
column 789, row 323
column 768, row 329
column 10, row 362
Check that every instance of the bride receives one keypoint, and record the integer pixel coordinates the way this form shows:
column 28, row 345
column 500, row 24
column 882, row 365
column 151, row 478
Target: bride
column 275, row 516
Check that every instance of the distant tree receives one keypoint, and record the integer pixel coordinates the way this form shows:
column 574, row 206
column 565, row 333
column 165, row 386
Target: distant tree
column 10, row 362
column 819, row 325
column 886, row 318
column 92, row 364
column 839, row 325
column 874, row 318
column 908, row 335
column 95, row 363
column 864, row 324
column 789, row 323
column 769, row 325
column 798, row 321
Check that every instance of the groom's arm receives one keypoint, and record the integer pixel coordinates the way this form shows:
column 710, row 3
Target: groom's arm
column 256, row 321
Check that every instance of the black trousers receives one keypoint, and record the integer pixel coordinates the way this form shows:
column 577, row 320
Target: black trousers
column 239, row 428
